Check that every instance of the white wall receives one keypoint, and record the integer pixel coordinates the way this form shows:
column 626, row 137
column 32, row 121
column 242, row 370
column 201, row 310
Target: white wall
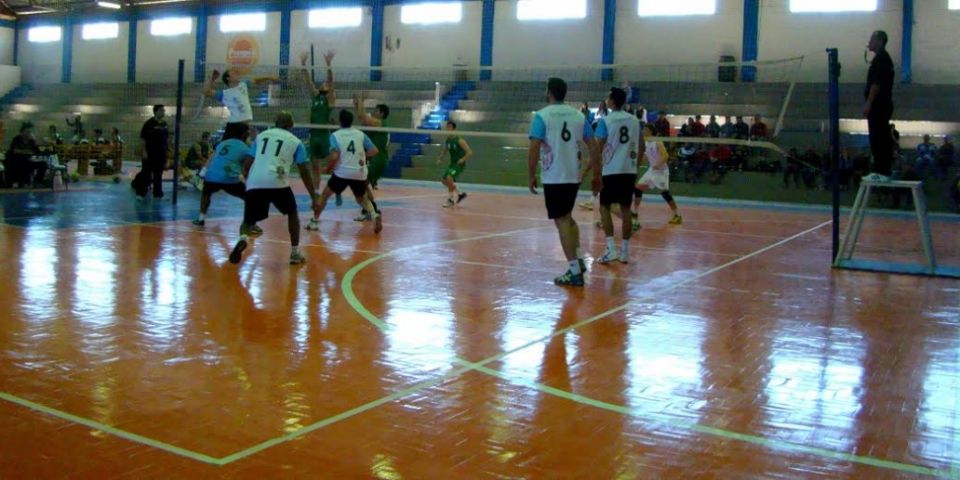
column 351, row 44
column 936, row 43
column 9, row 78
column 691, row 39
column 433, row 45
column 100, row 61
column 157, row 57
column 268, row 42
column 784, row 34
column 6, row 45
column 557, row 42
column 40, row 62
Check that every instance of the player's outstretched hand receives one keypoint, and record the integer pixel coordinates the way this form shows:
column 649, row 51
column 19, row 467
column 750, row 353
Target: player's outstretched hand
column 303, row 58
column 328, row 56
column 215, row 75
column 533, row 185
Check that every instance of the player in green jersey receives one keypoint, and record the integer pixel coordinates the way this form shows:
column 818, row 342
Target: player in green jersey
column 460, row 153
column 324, row 98
column 378, row 164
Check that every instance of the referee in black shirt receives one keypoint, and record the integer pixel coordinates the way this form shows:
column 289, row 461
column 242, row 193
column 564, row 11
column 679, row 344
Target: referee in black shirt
column 154, row 136
column 879, row 107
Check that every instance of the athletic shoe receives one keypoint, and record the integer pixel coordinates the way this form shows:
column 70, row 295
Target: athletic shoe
column 364, row 217
column 199, row 222
column 378, row 223
column 313, row 224
column 876, row 178
column 569, row 280
column 256, row 231
column 461, row 198
column 450, row 203
column 237, row 254
column 609, row 257
column 339, row 201
column 676, row 220
column 297, row 258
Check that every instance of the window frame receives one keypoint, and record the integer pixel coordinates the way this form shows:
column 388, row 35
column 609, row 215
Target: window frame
column 171, row 21
column 422, row 18
column 653, row 13
column 242, row 28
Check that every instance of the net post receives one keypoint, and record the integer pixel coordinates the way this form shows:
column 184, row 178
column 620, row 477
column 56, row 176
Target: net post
column 833, row 97
column 176, row 131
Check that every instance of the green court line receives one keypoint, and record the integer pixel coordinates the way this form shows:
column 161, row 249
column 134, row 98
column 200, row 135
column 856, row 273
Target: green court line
column 719, row 432
column 346, row 285
column 133, row 437
column 772, row 444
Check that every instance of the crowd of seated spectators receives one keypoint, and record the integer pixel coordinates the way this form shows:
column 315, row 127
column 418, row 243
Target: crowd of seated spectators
column 28, row 159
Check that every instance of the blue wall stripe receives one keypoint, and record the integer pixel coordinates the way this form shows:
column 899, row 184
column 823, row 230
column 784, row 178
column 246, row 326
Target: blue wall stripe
column 16, row 44
column 486, row 38
column 8, row 23
column 906, row 48
column 67, row 41
column 132, row 52
column 609, row 37
column 200, row 55
column 285, row 27
column 751, row 38
column 376, row 40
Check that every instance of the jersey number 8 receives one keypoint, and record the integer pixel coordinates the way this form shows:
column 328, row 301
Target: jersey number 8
column 624, row 135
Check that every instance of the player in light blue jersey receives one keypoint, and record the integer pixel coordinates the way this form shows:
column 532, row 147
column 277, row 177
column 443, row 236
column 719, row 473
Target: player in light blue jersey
column 557, row 134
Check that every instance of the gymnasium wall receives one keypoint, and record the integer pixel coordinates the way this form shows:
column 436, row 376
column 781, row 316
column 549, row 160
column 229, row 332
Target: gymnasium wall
column 266, row 43
column 556, row 42
column 437, row 45
column 6, row 45
column 100, row 61
column 936, row 43
column 673, row 40
column 784, row 34
column 39, row 62
column 352, row 44
column 157, row 57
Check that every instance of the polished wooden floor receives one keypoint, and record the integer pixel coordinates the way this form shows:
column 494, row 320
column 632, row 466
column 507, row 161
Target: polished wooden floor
column 130, row 348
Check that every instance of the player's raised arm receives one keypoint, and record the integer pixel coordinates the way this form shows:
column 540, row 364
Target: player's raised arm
column 331, row 89
column 367, row 120
column 307, row 76
column 211, row 88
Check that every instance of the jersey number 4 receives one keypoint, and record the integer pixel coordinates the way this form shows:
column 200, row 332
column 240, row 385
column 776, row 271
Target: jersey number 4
column 263, row 151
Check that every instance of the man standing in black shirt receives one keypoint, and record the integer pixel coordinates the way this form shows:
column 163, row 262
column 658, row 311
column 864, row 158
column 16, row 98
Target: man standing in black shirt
column 879, row 107
column 154, row 142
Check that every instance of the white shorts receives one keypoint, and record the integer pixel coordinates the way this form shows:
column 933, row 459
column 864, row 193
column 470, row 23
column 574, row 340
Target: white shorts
column 656, row 179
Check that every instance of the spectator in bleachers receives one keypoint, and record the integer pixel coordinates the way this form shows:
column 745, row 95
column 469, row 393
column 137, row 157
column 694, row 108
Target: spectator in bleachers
column 759, row 130
column 926, row 157
column 115, row 138
column 81, row 138
column 699, row 129
column 98, row 138
column 720, row 158
column 686, row 130
column 742, row 129
column 19, row 165
column 53, row 136
column 728, row 130
column 945, row 157
column 662, row 125
column 713, row 128
column 76, row 125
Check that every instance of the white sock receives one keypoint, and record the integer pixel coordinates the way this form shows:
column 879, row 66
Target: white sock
column 243, row 238
column 202, row 217
column 625, row 247
column 575, row 267
column 611, row 246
